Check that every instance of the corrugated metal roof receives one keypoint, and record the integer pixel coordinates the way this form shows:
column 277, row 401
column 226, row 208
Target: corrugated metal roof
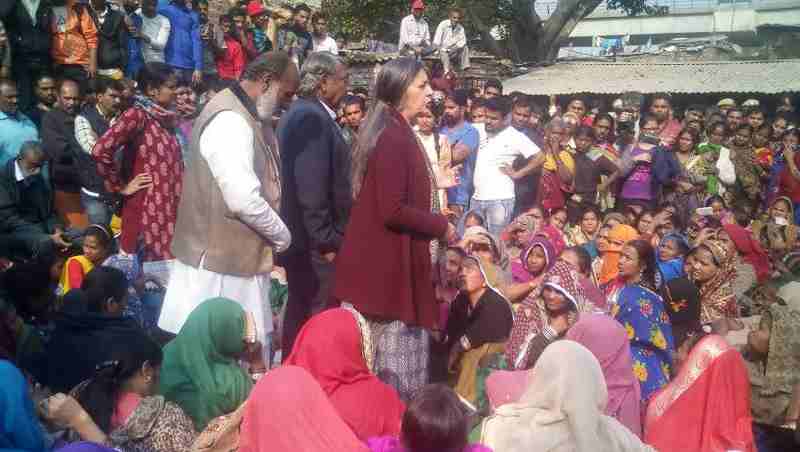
column 767, row 77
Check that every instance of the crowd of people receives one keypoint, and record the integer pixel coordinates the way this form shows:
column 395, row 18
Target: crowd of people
column 209, row 240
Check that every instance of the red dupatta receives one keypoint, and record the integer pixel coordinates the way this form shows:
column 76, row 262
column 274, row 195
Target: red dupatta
column 751, row 250
column 706, row 408
column 334, row 348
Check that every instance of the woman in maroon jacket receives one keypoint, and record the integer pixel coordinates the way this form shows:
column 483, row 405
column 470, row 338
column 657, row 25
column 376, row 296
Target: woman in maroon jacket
column 384, row 265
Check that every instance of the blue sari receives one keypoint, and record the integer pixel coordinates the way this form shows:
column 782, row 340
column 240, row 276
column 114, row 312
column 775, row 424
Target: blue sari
column 19, row 427
column 641, row 312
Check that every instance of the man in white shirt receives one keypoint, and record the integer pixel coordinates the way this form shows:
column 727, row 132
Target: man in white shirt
column 322, row 41
column 494, row 177
column 415, row 38
column 154, row 32
column 451, row 41
column 228, row 226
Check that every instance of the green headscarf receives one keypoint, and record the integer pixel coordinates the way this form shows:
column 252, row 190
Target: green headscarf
column 200, row 372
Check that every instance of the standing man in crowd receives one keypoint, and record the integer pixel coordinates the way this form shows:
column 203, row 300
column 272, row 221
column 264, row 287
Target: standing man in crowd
column 316, row 188
column 303, row 43
column 415, row 37
column 323, row 42
column 354, row 108
column 228, row 225
column 184, row 50
column 59, row 144
column 15, row 127
column 75, row 42
column 28, row 27
column 112, row 45
column 45, row 93
column 451, row 41
column 232, row 59
column 154, row 33
column 493, row 88
column 93, row 121
column 133, row 23
column 464, row 141
column 494, row 177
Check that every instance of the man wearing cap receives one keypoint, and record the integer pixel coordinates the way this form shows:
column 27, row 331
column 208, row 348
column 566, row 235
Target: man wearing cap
column 415, row 38
column 725, row 105
column 259, row 17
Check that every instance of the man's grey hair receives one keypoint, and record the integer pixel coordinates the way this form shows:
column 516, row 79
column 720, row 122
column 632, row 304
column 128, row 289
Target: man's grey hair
column 318, row 65
column 30, row 148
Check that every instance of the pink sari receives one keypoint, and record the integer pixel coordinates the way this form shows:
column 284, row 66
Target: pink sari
column 608, row 342
column 706, row 408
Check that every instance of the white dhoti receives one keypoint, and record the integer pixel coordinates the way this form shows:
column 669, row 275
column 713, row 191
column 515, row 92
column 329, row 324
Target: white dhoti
column 189, row 286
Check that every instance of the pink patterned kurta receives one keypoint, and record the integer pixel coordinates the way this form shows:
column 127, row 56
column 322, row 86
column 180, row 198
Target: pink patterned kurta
column 148, row 147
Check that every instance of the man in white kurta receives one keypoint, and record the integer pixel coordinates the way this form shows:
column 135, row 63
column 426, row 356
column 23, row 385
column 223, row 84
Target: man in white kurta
column 451, row 41
column 226, row 147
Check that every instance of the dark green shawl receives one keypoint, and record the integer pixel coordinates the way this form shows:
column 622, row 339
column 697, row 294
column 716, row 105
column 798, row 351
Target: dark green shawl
column 200, row 372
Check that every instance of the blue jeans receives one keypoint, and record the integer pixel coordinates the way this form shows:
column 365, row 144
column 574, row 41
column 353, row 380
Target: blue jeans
column 97, row 211
column 496, row 213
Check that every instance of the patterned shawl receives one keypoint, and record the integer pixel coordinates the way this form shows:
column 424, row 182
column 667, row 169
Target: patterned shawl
column 716, row 295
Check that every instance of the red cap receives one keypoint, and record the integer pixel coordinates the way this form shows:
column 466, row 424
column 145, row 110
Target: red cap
column 255, row 8
column 417, row 4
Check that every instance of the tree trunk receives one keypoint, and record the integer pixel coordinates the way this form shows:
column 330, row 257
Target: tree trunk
column 486, row 35
column 560, row 25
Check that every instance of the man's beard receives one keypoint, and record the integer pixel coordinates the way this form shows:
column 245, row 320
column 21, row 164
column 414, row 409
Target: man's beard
column 267, row 102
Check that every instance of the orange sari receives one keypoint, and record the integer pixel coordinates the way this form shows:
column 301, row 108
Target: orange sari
column 706, row 408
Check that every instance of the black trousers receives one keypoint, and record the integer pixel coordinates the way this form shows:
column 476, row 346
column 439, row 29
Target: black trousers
column 310, row 278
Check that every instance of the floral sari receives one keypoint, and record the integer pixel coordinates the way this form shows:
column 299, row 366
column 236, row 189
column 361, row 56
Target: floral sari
column 641, row 311
column 706, row 408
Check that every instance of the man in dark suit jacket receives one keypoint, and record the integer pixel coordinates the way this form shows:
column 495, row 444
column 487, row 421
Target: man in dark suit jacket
column 316, row 195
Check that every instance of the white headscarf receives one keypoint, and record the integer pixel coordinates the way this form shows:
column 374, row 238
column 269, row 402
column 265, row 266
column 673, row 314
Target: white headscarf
column 561, row 410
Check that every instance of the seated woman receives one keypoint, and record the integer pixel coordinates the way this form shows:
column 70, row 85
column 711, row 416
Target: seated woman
column 773, row 363
column 671, row 254
column 288, row 412
column 519, row 233
column 541, row 320
column 561, row 409
column 601, row 246
column 121, row 401
column 87, row 331
column 608, row 342
column 478, row 325
column 200, row 372
column 529, row 270
column 617, row 238
column 579, row 259
column 434, row 421
column 778, row 233
column 334, row 346
column 706, row 406
column 641, row 311
column 97, row 244
column 19, row 426
column 751, row 264
column 446, row 282
column 478, row 241
column 583, row 233
column 713, row 274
